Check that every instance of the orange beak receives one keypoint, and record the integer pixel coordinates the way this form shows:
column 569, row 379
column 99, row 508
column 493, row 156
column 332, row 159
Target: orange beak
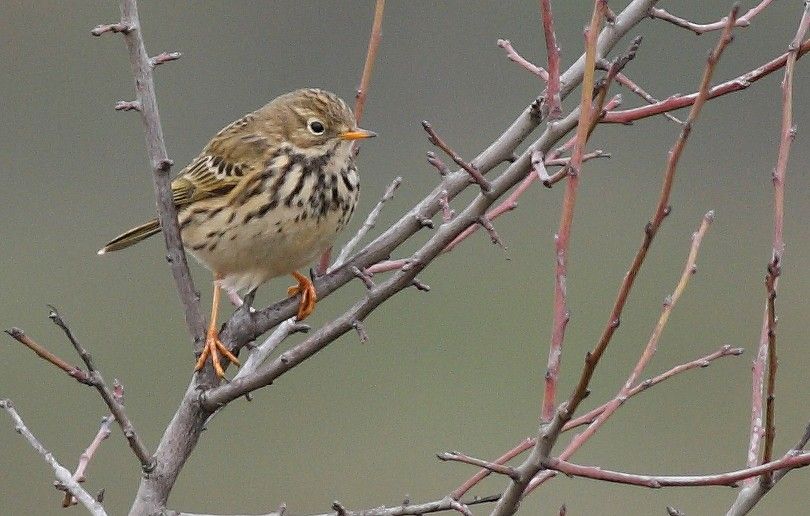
column 357, row 134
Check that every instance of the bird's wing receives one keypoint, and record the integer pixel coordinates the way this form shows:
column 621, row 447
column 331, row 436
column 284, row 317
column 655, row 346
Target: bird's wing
column 235, row 152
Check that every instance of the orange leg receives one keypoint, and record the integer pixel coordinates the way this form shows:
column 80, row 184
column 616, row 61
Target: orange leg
column 214, row 346
column 308, row 295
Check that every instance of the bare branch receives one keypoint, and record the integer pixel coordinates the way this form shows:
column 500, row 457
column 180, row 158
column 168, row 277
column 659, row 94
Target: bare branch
column 369, row 223
column 146, row 103
column 731, row 478
column 681, row 101
column 552, row 97
column 62, row 474
column 562, row 238
column 110, row 398
column 371, row 54
column 475, row 174
column 513, row 56
column 698, row 28
column 466, row 459
column 73, row 371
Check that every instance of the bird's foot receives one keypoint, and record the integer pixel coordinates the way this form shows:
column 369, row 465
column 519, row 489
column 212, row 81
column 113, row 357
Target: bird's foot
column 213, row 348
column 308, row 295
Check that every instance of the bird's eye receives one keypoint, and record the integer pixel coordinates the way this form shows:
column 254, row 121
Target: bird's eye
column 315, row 126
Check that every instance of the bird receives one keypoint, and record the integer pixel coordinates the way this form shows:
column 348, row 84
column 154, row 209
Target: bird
column 265, row 197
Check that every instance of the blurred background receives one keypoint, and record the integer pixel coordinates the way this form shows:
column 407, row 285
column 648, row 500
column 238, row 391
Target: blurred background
column 460, row 367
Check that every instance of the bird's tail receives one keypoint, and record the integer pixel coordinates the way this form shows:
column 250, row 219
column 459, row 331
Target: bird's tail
column 133, row 236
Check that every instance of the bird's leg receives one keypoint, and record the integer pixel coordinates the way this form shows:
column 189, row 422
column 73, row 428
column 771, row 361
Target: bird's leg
column 214, row 346
column 308, row 295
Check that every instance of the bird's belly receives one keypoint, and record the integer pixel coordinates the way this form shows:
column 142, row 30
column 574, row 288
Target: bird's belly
column 245, row 254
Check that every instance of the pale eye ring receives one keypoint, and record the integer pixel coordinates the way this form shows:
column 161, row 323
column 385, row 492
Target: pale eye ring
column 315, row 126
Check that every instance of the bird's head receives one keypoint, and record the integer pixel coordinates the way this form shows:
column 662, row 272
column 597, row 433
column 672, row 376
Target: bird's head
column 313, row 118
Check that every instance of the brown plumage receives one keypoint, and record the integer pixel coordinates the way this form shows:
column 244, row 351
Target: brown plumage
column 266, row 196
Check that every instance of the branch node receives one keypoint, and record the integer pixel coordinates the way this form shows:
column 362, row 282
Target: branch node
column 127, row 105
column 114, row 28
column 360, row 328
column 164, row 57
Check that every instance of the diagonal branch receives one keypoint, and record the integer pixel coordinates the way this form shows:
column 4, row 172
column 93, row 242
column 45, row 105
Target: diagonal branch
column 62, row 474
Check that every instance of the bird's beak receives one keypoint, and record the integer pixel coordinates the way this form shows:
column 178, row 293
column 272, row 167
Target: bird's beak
column 357, row 134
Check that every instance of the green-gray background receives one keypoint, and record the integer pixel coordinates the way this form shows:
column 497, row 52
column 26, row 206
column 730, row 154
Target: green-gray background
column 460, row 367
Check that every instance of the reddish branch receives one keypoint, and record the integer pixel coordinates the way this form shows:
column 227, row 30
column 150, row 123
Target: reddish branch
column 513, row 56
column 731, row 478
column 589, row 417
column 698, row 28
column 766, row 352
column 627, row 116
column 563, row 236
column 371, row 54
column 475, row 174
column 73, row 371
column 661, row 211
column 104, row 430
column 552, row 97
column 650, row 349
column 360, row 98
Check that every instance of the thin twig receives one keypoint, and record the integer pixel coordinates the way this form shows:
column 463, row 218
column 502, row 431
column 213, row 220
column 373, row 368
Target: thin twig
column 62, row 474
column 104, row 430
column 766, row 352
column 628, row 83
column 661, row 211
column 732, row 478
column 690, row 267
column 116, row 407
column 260, row 353
column 466, row 459
column 524, row 63
column 681, row 101
column 562, row 238
column 369, row 224
column 552, row 97
column 475, row 174
column 702, row 28
column 73, row 371
column 368, row 66
column 589, row 417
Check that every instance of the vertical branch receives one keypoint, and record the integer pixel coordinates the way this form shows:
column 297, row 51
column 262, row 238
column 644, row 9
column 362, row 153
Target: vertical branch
column 651, row 229
column 563, row 236
column 766, row 352
column 360, row 99
column 371, row 54
column 146, row 103
column 553, row 52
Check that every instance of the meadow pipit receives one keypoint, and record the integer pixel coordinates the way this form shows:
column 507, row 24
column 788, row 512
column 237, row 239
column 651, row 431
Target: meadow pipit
column 266, row 196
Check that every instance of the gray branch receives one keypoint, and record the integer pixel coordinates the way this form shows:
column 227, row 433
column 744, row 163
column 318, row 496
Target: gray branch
column 146, row 103
column 62, row 474
column 184, row 430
